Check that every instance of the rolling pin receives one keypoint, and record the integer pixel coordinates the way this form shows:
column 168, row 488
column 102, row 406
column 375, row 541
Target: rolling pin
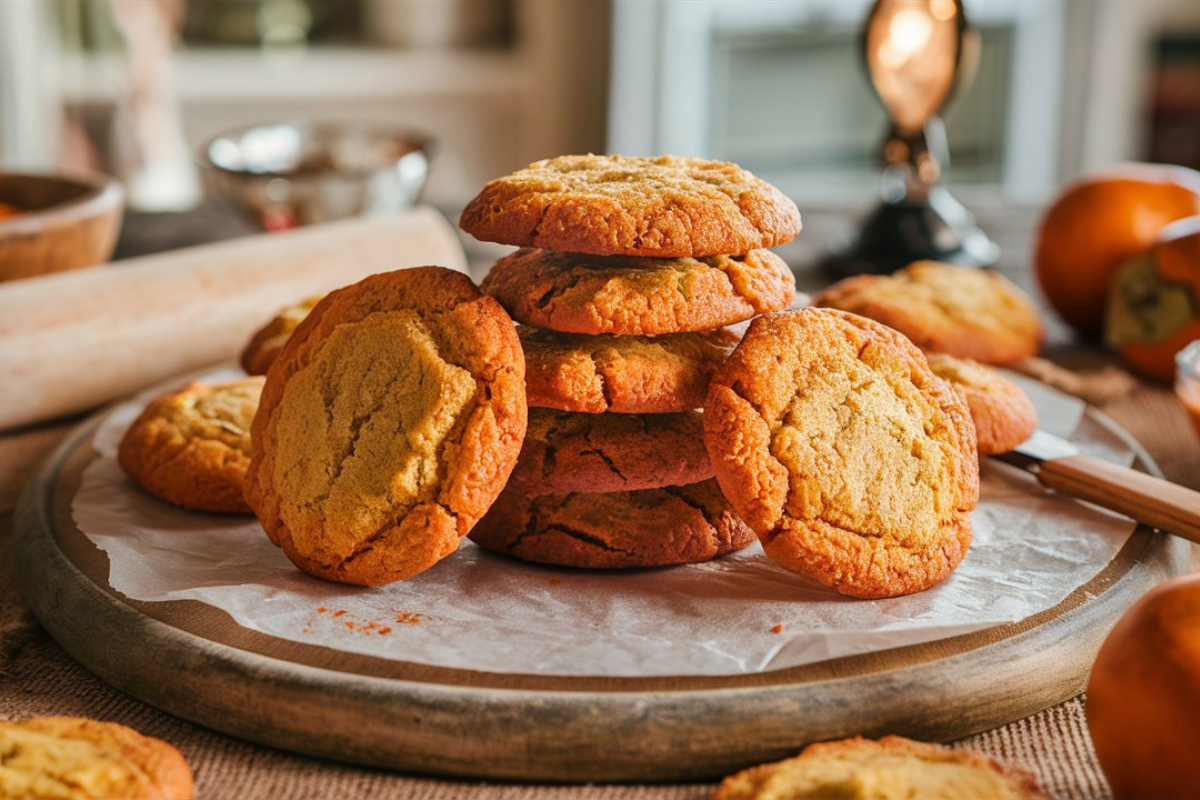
column 73, row 340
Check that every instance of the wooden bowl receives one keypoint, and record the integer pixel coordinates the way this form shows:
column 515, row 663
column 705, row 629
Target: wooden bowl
column 62, row 223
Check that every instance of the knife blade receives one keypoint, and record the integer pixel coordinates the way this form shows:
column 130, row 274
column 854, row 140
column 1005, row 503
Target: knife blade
column 1059, row 465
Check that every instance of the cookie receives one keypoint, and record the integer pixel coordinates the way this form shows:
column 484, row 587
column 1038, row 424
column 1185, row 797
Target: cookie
column 569, row 452
column 574, row 372
column 622, row 374
column 388, row 424
column 575, row 293
column 663, row 207
column 267, row 341
column 191, row 447
column 73, row 758
column 942, row 308
column 892, row 767
column 1003, row 415
column 850, row 459
column 614, row 530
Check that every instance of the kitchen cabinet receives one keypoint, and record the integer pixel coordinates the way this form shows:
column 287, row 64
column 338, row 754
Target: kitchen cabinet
column 490, row 109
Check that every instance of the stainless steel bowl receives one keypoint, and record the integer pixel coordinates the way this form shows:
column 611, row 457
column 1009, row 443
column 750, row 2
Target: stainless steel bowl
column 299, row 173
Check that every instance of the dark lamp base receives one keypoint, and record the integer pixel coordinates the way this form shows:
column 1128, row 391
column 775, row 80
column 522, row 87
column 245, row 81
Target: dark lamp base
column 894, row 235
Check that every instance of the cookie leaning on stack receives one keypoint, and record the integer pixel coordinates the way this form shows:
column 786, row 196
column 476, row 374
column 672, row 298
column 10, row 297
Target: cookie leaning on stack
column 850, row 459
column 629, row 271
column 388, row 423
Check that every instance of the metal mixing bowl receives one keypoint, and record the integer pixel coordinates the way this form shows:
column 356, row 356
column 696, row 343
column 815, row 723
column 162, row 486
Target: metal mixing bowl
column 299, row 173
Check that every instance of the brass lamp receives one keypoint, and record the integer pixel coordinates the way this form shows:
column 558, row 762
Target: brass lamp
column 917, row 53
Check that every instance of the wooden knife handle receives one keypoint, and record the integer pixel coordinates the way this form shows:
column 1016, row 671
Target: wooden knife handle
column 1153, row 501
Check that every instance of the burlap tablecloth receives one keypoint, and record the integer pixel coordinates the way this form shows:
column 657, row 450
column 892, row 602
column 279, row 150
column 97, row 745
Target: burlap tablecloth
column 38, row 678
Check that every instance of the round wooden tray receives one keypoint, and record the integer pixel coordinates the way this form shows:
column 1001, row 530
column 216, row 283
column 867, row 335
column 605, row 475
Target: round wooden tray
column 195, row 662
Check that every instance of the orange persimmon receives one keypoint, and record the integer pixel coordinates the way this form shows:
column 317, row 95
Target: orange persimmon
column 1143, row 696
column 1095, row 224
column 1154, row 302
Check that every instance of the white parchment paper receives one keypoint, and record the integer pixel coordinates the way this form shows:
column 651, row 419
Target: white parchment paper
column 477, row 610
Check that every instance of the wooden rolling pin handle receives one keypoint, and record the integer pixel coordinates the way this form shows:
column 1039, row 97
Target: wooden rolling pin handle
column 72, row 340
column 1170, row 508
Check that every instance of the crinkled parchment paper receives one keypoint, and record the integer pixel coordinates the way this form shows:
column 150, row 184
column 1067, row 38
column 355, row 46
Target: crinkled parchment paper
column 477, row 610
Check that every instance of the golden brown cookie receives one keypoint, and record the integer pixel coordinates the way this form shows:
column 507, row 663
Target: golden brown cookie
column 388, row 424
column 969, row 313
column 191, row 447
column 267, row 341
column 569, row 452
column 850, row 459
column 648, row 528
column 892, row 768
column 1003, row 416
column 576, row 293
column 79, row 759
column 622, row 374
column 663, row 207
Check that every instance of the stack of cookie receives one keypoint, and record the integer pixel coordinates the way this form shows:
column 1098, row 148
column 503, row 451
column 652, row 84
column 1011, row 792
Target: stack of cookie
column 631, row 280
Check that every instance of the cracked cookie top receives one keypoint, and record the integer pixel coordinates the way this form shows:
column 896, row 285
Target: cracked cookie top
column 943, row 308
column 191, row 447
column 615, row 530
column 569, row 452
column 1003, row 415
column 388, row 424
column 850, row 459
column 892, row 767
column 667, row 207
column 77, row 758
column 623, row 374
column 577, row 293
column 267, row 341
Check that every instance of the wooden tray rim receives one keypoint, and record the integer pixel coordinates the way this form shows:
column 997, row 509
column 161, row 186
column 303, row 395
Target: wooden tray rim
column 469, row 723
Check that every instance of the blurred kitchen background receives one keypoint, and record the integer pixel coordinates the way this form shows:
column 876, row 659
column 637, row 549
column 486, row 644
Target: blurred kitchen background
column 134, row 87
